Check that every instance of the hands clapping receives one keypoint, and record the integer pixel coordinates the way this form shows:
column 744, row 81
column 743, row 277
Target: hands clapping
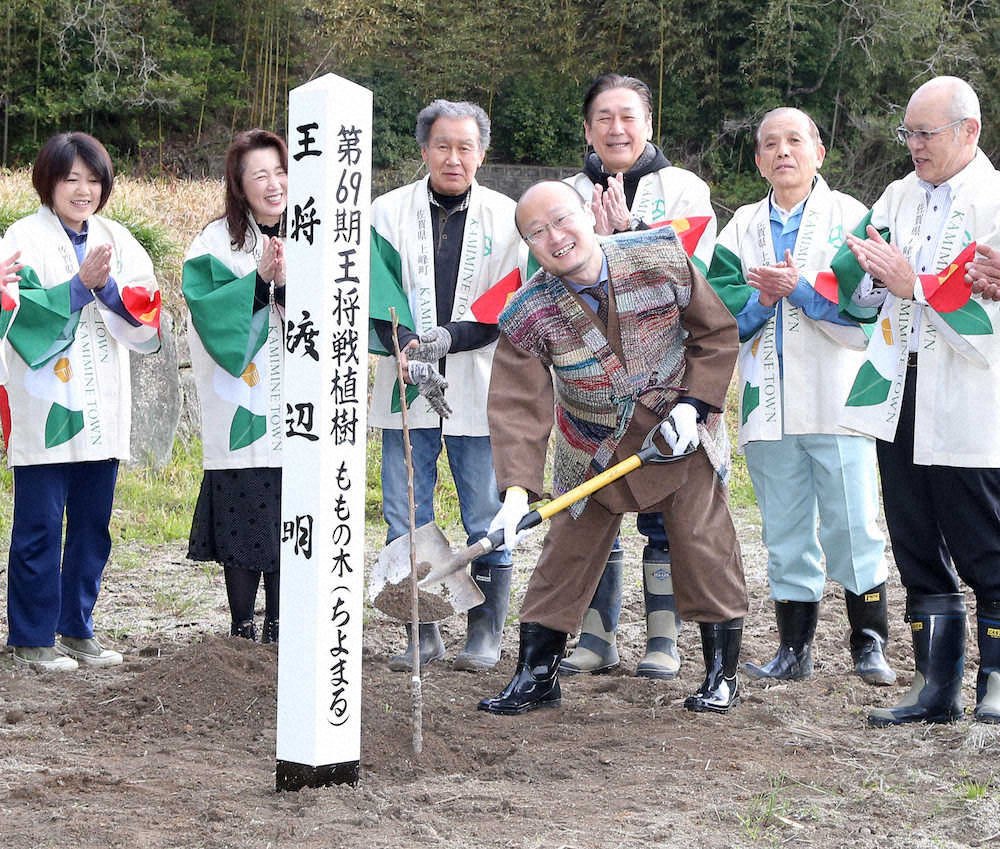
column 774, row 282
column 983, row 273
column 883, row 261
column 271, row 266
column 9, row 269
column 610, row 210
column 96, row 267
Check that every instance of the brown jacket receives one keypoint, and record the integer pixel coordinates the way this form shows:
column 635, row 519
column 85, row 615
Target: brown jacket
column 520, row 406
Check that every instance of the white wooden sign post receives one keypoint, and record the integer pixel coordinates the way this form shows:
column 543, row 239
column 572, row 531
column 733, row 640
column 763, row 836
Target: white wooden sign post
column 323, row 482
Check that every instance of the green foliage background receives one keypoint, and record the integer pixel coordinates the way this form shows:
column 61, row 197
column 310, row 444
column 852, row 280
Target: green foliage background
column 164, row 83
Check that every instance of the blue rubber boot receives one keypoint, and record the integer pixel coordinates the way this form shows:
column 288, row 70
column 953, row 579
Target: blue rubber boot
column 663, row 625
column 988, row 677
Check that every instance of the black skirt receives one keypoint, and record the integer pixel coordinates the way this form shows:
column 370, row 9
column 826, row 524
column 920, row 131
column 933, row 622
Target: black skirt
column 237, row 520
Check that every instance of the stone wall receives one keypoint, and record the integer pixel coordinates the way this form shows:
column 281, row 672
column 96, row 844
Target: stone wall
column 512, row 180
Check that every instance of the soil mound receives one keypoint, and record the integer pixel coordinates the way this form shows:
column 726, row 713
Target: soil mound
column 211, row 685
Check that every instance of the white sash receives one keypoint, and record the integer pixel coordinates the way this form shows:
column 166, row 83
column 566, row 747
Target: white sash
column 491, row 248
column 815, row 354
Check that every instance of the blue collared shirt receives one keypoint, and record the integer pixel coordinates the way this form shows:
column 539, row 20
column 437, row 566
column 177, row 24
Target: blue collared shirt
column 80, row 295
column 753, row 315
column 581, row 288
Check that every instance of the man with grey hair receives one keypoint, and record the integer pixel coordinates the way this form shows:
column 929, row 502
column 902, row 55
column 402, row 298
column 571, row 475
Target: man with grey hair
column 796, row 364
column 929, row 392
column 440, row 243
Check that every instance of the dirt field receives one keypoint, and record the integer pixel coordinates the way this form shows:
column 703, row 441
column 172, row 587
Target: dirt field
column 176, row 747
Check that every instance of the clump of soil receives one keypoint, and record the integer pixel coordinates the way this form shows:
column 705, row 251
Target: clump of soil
column 396, row 601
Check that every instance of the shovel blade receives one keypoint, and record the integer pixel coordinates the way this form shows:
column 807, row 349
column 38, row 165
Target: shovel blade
column 389, row 587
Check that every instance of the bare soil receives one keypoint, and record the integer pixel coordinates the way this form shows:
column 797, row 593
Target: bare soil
column 176, row 747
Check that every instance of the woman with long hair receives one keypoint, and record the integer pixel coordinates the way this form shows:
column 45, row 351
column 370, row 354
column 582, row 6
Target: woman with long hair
column 234, row 285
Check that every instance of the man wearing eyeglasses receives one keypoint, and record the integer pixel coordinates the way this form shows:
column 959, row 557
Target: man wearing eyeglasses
column 625, row 337
column 929, row 391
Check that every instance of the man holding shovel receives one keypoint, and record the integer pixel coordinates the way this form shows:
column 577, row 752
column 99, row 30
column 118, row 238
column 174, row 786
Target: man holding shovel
column 625, row 337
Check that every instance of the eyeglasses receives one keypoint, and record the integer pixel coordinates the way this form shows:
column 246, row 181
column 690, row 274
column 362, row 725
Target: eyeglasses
column 903, row 135
column 561, row 222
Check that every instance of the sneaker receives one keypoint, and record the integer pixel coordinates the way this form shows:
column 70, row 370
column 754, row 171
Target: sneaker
column 88, row 650
column 44, row 657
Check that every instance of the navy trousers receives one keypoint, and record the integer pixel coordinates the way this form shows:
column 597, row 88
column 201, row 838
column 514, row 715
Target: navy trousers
column 52, row 588
column 941, row 519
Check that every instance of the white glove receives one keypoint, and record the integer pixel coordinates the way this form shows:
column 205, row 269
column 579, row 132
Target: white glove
column 434, row 344
column 681, row 428
column 513, row 509
column 431, row 385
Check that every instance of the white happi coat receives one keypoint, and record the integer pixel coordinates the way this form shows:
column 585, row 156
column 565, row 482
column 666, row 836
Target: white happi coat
column 957, row 410
column 663, row 195
column 91, row 376
column 820, row 358
column 491, row 247
column 259, row 388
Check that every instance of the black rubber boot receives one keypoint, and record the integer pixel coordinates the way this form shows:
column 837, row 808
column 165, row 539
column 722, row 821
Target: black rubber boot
column 269, row 633
column 485, row 622
column 796, row 629
column 938, row 626
column 431, row 648
column 868, row 614
column 536, row 679
column 247, row 630
column 720, row 645
column 597, row 649
column 663, row 625
column 988, row 677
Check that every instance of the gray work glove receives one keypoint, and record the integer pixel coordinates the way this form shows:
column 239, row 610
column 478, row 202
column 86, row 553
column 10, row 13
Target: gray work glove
column 428, row 380
column 434, row 344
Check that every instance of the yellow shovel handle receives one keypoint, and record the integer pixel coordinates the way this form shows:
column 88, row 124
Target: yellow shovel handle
column 595, row 483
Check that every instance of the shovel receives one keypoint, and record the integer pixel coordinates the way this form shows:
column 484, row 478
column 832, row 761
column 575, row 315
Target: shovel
column 447, row 587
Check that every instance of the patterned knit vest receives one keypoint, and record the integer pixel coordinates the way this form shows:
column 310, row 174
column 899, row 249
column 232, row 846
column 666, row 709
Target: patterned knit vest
column 596, row 391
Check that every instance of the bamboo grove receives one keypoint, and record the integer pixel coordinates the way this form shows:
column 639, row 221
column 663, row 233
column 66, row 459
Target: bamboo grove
column 165, row 82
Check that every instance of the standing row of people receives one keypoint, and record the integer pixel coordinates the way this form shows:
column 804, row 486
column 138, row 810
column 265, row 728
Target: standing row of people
column 79, row 294
column 628, row 185
column 801, row 295
column 619, row 335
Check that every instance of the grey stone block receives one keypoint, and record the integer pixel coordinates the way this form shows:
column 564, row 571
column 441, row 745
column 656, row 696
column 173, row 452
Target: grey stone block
column 156, row 399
